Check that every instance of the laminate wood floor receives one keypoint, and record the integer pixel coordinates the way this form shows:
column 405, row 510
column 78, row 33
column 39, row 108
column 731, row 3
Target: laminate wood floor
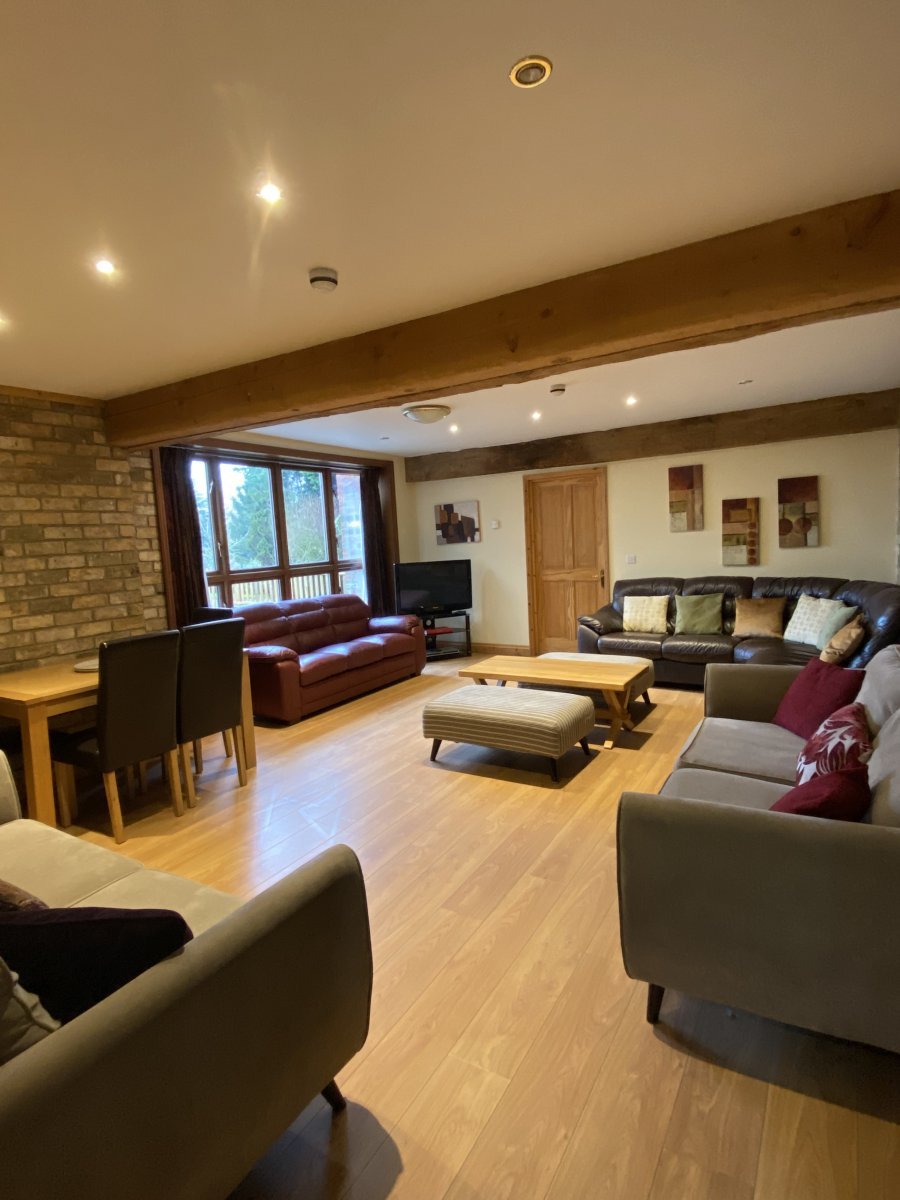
column 509, row 1058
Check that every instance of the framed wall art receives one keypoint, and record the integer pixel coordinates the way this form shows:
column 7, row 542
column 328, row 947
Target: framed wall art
column 457, row 522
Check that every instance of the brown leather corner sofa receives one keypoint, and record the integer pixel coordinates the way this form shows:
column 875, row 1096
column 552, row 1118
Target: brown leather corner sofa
column 306, row 655
column 682, row 658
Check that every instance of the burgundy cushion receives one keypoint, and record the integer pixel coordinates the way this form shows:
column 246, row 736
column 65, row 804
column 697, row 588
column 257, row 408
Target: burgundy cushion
column 75, row 957
column 843, row 796
column 819, row 690
column 842, row 740
column 320, row 665
column 392, row 644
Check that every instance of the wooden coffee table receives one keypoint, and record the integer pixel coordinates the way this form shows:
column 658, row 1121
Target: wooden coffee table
column 613, row 680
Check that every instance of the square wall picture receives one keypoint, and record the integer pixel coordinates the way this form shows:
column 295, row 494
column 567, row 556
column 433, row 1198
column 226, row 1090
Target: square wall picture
column 740, row 532
column 457, row 522
column 685, row 498
column 798, row 512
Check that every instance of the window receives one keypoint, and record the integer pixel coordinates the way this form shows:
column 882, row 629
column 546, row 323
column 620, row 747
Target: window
column 276, row 532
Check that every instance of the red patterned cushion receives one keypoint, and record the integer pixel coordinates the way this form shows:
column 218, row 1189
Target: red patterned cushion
column 842, row 740
column 842, row 796
column 819, row 690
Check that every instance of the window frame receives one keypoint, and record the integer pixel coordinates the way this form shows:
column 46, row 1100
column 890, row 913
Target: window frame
column 283, row 572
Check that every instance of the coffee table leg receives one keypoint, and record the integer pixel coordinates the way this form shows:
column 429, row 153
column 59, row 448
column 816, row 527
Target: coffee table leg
column 619, row 714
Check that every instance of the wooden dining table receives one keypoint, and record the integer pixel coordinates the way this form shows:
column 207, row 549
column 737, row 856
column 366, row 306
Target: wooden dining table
column 33, row 696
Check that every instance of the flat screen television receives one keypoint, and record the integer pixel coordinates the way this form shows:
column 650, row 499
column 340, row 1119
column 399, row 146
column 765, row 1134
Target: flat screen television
column 433, row 587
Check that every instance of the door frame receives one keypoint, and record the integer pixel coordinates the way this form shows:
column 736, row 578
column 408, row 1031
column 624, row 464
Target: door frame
column 528, row 485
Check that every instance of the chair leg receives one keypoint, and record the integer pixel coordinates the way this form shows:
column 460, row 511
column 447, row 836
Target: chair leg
column 228, row 741
column 334, row 1096
column 142, row 778
column 655, row 995
column 198, row 757
column 435, row 746
column 184, row 753
column 129, row 782
column 238, row 735
column 64, row 778
column 174, row 778
column 115, row 808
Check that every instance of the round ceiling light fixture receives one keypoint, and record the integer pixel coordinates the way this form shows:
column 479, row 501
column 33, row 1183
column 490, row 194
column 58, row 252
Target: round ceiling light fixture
column 530, row 72
column 427, row 414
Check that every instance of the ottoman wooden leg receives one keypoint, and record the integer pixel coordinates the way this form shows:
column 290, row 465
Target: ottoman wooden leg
column 435, row 746
column 646, row 697
column 554, row 771
column 655, row 995
column 585, row 747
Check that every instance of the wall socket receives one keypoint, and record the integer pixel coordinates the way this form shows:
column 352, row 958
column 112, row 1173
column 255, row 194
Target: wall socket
column 630, row 559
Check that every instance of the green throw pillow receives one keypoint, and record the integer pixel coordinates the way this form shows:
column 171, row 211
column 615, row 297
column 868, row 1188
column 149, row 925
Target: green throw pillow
column 699, row 614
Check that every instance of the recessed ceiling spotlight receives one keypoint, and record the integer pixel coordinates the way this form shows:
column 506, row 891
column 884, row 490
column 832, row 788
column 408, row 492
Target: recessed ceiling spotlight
column 454, row 429
column 742, row 382
column 427, row 414
column 631, row 401
column 4, row 322
column 103, row 266
column 535, row 416
column 530, row 72
column 270, row 192
column 384, row 438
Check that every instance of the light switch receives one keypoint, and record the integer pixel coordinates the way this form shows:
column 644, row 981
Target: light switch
column 495, row 524
column 630, row 559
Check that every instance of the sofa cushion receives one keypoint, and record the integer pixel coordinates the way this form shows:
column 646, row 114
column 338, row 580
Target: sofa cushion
column 755, row 748
column 760, row 618
column 321, row 664
column 361, row 652
column 75, row 957
column 348, row 615
column 644, row 614
column 884, row 774
column 23, row 1019
column 841, row 796
column 880, row 691
column 844, row 642
column 819, row 690
column 699, row 614
column 201, row 906
column 698, row 647
column 59, row 868
column 731, row 587
column 741, row 790
column 773, row 650
column 842, row 740
column 643, row 645
column 392, row 644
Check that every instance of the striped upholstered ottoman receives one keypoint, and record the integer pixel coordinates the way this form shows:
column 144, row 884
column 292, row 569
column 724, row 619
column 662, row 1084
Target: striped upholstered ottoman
column 545, row 723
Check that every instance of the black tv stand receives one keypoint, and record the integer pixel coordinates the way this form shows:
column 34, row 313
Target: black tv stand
column 434, row 628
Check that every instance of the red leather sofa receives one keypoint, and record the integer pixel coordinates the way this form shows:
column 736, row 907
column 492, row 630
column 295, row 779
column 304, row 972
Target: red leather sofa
column 306, row 655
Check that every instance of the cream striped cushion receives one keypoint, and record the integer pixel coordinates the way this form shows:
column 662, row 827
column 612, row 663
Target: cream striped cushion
column 510, row 718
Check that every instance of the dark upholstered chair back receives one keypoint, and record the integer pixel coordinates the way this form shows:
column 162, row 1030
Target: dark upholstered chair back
column 136, row 698
column 199, row 615
column 209, row 678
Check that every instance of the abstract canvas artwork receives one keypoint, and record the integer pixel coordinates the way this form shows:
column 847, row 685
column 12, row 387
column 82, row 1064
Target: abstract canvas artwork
column 798, row 512
column 457, row 522
column 740, row 532
column 685, row 498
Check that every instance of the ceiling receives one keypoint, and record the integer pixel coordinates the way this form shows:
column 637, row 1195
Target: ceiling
column 831, row 358
column 409, row 162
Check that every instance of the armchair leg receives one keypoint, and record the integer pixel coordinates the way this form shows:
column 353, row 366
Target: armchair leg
column 334, row 1096
column 655, row 995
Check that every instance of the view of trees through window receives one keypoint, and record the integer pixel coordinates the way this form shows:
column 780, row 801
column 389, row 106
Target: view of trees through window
column 272, row 532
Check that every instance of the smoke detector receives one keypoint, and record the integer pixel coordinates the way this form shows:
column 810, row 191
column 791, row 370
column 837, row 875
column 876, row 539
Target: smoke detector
column 323, row 279
column 427, row 414
column 558, row 389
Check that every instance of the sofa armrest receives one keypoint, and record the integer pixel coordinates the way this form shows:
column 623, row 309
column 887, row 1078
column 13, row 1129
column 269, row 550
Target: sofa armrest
column 263, row 653
column 746, row 691
column 10, row 808
column 605, row 620
column 177, row 1083
column 404, row 623
column 779, row 914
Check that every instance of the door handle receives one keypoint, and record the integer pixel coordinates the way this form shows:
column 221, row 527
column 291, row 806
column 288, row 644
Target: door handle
column 602, row 577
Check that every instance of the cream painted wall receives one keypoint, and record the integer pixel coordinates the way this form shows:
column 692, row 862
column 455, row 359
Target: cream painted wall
column 858, row 479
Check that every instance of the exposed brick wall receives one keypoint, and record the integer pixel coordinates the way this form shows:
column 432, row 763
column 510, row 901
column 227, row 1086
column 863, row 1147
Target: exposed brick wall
column 79, row 552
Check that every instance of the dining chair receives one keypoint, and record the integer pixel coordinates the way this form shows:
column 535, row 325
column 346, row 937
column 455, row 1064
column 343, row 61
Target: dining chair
column 136, row 721
column 209, row 692
column 198, row 617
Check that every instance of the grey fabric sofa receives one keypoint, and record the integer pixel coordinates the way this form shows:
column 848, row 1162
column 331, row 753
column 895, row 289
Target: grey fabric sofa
column 790, row 917
column 682, row 657
column 176, row 1084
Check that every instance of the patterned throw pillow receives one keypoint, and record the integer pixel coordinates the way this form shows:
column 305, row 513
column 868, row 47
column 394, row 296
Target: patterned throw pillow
column 645, row 614
column 841, row 741
column 813, row 618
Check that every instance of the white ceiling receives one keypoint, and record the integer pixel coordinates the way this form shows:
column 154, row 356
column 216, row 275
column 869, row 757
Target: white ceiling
column 832, row 358
column 139, row 130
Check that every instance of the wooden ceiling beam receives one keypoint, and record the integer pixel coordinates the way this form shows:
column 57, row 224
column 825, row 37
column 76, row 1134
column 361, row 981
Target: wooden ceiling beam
column 828, row 263
column 827, row 417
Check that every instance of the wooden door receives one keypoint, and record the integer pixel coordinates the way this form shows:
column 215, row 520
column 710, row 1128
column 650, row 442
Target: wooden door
column 568, row 559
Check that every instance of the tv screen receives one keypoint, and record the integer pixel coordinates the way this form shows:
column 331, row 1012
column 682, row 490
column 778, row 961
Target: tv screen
column 433, row 587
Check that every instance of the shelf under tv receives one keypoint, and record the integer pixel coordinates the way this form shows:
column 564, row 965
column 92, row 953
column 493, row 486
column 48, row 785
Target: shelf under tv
column 433, row 631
